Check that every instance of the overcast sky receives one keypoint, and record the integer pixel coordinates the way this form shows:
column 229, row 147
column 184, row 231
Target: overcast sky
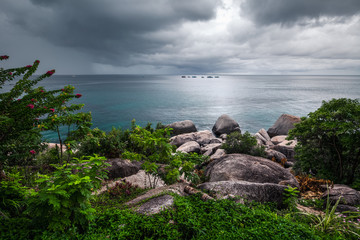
column 183, row 36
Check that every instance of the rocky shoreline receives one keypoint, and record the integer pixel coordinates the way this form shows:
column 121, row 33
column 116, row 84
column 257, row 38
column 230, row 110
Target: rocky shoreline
column 237, row 176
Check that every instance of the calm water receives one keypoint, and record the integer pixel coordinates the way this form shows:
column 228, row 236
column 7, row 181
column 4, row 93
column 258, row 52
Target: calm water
column 253, row 101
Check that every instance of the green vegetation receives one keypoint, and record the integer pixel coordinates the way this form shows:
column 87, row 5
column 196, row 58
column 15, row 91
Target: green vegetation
column 50, row 194
column 329, row 141
column 243, row 143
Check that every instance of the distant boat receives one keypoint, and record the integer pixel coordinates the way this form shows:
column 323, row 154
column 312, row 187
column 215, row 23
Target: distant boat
column 216, row 76
column 183, row 76
column 188, row 76
column 202, row 76
column 209, row 77
column 193, row 76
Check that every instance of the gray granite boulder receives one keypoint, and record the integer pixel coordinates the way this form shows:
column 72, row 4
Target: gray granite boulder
column 283, row 124
column 264, row 134
column 242, row 167
column 121, row 168
column 260, row 192
column 218, row 154
column 287, row 148
column 225, row 124
column 189, row 147
column 209, row 149
column 270, row 154
column 155, row 205
column 278, row 139
column 181, row 127
column 201, row 137
column 348, row 195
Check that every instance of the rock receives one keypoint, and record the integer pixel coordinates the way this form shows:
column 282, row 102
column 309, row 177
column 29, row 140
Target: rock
column 270, row 154
column 261, row 138
column 225, row 124
column 346, row 208
column 260, row 192
column 122, row 168
column 155, row 205
column 264, row 134
column 141, row 179
column 212, row 147
column 242, row 167
column 278, row 139
column 216, row 140
column 218, row 154
column 145, row 205
column 181, row 127
column 223, row 136
column 283, row 124
column 269, row 144
column 287, row 148
column 189, row 147
column 348, row 195
column 201, row 137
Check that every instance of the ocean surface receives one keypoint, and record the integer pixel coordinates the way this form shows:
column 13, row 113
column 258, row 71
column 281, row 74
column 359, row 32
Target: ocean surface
column 255, row 102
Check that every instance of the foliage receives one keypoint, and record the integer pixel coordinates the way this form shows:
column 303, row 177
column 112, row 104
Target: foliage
column 122, row 189
column 329, row 141
column 63, row 197
column 110, row 145
column 330, row 222
column 243, row 143
column 13, row 195
column 26, row 110
column 291, row 195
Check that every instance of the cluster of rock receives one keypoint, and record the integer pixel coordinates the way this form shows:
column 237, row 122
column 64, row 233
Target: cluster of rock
column 230, row 175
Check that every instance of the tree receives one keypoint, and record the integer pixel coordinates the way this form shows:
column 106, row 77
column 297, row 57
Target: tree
column 329, row 140
column 27, row 109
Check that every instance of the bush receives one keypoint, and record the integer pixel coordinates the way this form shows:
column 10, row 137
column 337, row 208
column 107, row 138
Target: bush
column 243, row 143
column 329, row 141
column 64, row 196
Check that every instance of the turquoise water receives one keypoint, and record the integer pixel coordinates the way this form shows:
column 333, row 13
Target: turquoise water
column 253, row 101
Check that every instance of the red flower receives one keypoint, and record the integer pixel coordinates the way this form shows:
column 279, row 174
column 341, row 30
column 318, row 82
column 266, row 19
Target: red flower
column 10, row 73
column 51, row 109
column 51, row 72
column 78, row 95
column 19, row 99
column 33, row 100
column 63, row 90
column 45, row 107
column 30, row 106
column 37, row 61
column 28, row 66
column 4, row 57
column 32, row 152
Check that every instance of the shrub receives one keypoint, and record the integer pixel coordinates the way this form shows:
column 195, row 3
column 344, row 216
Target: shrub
column 243, row 143
column 64, row 196
column 329, row 141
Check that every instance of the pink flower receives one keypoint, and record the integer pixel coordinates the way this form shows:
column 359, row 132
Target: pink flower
column 4, row 57
column 63, row 90
column 30, row 106
column 41, row 90
column 51, row 109
column 10, row 73
column 51, row 72
column 37, row 61
column 19, row 99
column 78, row 95
column 28, row 66
column 33, row 100
column 32, row 152
column 45, row 107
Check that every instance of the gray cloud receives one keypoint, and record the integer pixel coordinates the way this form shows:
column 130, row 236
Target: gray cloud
column 288, row 12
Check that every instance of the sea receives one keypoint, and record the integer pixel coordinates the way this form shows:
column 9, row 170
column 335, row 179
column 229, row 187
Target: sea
column 254, row 101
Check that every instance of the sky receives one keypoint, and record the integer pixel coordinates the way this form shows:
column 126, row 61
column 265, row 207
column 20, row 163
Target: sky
column 295, row 37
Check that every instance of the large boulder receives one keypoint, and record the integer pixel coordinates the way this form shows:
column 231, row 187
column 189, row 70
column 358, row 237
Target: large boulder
column 287, row 148
column 225, row 124
column 201, row 137
column 189, row 147
column 242, row 167
column 121, row 168
column 141, row 179
column 283, row 124
column 218, row 154
column 348, row 195
column 181, row 127
column 278, row 139
column 209, row 149
column 260, row 192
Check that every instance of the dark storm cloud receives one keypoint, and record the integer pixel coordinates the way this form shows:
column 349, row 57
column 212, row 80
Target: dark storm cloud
column 109, row 31
column 288, row 12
